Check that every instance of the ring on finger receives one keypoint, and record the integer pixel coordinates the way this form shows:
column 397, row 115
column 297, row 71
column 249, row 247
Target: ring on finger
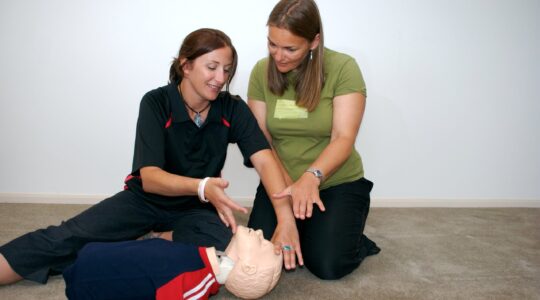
column 287, row 247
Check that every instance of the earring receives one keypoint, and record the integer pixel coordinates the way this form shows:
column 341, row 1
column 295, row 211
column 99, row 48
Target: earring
column 310, row 54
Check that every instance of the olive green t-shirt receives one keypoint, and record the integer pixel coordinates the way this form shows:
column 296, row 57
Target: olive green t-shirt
column 299, row 136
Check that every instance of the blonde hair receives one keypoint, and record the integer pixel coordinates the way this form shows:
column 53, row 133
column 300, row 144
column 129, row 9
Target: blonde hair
column 301, row 18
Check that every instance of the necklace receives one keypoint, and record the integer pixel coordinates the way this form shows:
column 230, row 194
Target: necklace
column 198, row 119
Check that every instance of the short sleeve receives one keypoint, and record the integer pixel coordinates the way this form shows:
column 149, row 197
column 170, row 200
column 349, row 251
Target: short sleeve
column 257, row 82
column 150, row 135
column 246, row 133
column 350, row 79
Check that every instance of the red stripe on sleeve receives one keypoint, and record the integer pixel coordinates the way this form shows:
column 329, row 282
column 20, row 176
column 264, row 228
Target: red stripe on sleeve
column 168, row 124
column 225, row 122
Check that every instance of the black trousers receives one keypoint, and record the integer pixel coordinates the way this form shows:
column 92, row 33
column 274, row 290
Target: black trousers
column 124, row 216
column 333, row 243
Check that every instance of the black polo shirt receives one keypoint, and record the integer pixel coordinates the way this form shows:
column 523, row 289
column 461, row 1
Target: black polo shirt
column 167, row 138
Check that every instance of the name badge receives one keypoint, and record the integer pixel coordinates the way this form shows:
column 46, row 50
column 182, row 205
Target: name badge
column 287, row 109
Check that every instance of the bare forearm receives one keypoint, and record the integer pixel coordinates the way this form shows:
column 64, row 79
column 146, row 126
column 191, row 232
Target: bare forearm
column 334, row 155
column 160, row 182
column 286, row 177
column 271, row 176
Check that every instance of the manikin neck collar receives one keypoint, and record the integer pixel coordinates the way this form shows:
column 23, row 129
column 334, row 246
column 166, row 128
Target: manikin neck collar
column 226, row 264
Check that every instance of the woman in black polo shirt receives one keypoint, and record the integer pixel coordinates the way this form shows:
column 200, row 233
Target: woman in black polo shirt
column 183, row 132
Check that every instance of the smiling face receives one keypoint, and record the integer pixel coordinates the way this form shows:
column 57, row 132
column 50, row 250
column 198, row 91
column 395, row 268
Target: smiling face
column 205, row 76
column 288, row 50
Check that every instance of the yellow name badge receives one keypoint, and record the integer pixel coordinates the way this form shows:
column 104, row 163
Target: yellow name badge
column 287, row 109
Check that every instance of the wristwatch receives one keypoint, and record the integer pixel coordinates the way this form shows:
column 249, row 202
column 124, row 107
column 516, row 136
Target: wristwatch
column 317, row 173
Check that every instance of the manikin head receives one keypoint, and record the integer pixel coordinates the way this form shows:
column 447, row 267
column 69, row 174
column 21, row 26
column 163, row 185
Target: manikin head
column 256, row 269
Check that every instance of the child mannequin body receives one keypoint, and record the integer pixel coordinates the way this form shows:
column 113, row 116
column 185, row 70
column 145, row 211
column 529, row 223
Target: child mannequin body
column 160, row 269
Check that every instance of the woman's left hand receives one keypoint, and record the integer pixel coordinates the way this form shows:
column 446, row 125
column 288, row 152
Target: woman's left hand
column 304, row 193
column 287, row 241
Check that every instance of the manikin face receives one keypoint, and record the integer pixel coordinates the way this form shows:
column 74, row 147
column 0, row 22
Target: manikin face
column 256, row 269
column 205, row 76
column 250, row 246
column 288, row 50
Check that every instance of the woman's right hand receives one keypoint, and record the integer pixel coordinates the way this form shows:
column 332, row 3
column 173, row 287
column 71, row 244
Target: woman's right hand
column 157, row 181
column 286, row 234
column 214, row 191
column 305, row 195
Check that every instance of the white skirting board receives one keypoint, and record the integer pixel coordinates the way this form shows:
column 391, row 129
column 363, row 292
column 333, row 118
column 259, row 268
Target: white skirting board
column 248, row 201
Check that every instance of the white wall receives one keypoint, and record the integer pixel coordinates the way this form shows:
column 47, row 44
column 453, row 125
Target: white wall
column 453, row 106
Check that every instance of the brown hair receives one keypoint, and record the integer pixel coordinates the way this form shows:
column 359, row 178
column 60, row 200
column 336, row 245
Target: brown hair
column 198, row 43
column 301, row 18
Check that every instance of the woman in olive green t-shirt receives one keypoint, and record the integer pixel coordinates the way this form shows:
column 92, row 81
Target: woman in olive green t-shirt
column 309, row 102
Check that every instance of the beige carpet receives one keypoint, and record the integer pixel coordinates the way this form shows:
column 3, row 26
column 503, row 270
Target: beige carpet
column 427, row 253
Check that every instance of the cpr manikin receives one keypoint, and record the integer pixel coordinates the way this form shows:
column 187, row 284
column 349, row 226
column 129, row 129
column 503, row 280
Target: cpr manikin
column 159, row 269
